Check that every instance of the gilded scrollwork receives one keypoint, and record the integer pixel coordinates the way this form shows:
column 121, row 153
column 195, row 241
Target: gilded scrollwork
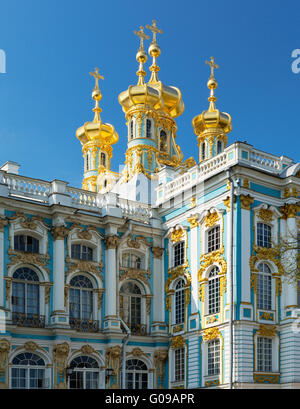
column 211, row 333
column 177, row 342
column 60, row 357
column 112, row 242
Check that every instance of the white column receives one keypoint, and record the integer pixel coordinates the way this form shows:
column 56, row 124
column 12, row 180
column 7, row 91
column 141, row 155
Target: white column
column 58, row 274
column 246, row 254
column 59, row 316
column 110, row 282
column 158, row 286
column 194, row 261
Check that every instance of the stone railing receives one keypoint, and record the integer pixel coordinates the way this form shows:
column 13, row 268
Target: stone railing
column 237, row 153
column 58, row 192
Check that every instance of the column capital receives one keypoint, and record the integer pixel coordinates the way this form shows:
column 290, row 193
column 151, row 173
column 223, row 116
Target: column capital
column 246, row 201
column 289, row 211
column 112, row 242
column 3, row 223
column 157, row 252
column 59, row 232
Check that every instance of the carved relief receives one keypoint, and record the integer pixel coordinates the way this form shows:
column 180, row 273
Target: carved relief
column 59, row 232
column 211, row 333
column 60, row 356
column 113, row 361
column 177, row 342
column 246, row 201
column 157, row 252
column 160, row 357
column 4, row 351
column 111, row 242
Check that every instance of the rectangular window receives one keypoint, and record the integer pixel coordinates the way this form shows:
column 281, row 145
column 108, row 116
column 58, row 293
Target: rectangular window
column 213, row 357
column 264, row 354
column 179, row 365
column 148, row 128
column 263, row 235
column 214, row 295
column 179, row 254
column 264, row 291
column 213, row 239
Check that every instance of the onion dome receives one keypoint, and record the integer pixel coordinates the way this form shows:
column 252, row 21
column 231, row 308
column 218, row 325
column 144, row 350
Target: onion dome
column 96, row 139
column 97, row 130
column 212, row 120
column 154, row 94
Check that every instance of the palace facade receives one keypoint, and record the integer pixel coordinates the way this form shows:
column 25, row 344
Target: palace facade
column 165, row 275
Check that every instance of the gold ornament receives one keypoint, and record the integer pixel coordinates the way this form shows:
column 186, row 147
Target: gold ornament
column 111, row 242
column 211, row 333
column 246, row 201
column 177, row 342
column 266, row 215
column 211, row 219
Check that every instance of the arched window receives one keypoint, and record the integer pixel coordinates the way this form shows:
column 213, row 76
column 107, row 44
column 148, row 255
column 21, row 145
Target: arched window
column 219, row 147
column 131, row 260
column 213, row 357
column 85, row 373
column 203, row 151
column 136, row 374
column 263, row 235
column 81, row 304
column 131, row 129
column 264, row 287
column 148, row 128
column 163, row 141
column 103, row 159
column 28, row 372
column 214, row 291
column 213, row 239
column 131, row 307
column 26, row 243
column 81, row 252
column 179, row 302
column 26, row 298
column 179, row 253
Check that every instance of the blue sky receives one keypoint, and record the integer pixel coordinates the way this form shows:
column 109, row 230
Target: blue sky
column 51, row 45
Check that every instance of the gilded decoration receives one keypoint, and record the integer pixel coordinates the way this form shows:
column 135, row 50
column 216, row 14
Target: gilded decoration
column 177, row 235
column 246, row 183
column 99, row 292
column 82, row 265
column 3, row 223
column 157, row 252
column 39, row 260
column 265, row 254
column 173, row 273
column 60, row 357
column 4, row 351
column 194, row 222
column 289, row 211
column 135, row 274
column 113, row 361
column 211, row 219
column 246, row 201
column 266, row 215
column 59, row 232
column 160, row 357
column 209, row 259
column 211, row 333
column 265, row 378
column 193, row 202
column 266, row 330
column 227, row 202
column 268, row 316
column 177, row 342
column 177, row 328
column 112, row 242
column 87, row 349
column 137, row 353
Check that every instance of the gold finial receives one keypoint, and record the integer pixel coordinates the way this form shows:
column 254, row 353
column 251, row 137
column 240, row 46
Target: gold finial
column 141, row 56
column 154, row 51
column 212, row 83
column 212, row 65
column 96, row 94
column 155, row 30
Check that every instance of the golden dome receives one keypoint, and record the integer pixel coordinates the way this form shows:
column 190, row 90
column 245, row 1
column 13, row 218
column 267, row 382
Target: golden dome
column 212, row 119
column 97, row 131
column 154, row 94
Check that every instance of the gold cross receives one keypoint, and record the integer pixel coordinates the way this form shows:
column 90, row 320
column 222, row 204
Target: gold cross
column 154, row 30
column 142, row 36
column 212, row 65
column 97, row 77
